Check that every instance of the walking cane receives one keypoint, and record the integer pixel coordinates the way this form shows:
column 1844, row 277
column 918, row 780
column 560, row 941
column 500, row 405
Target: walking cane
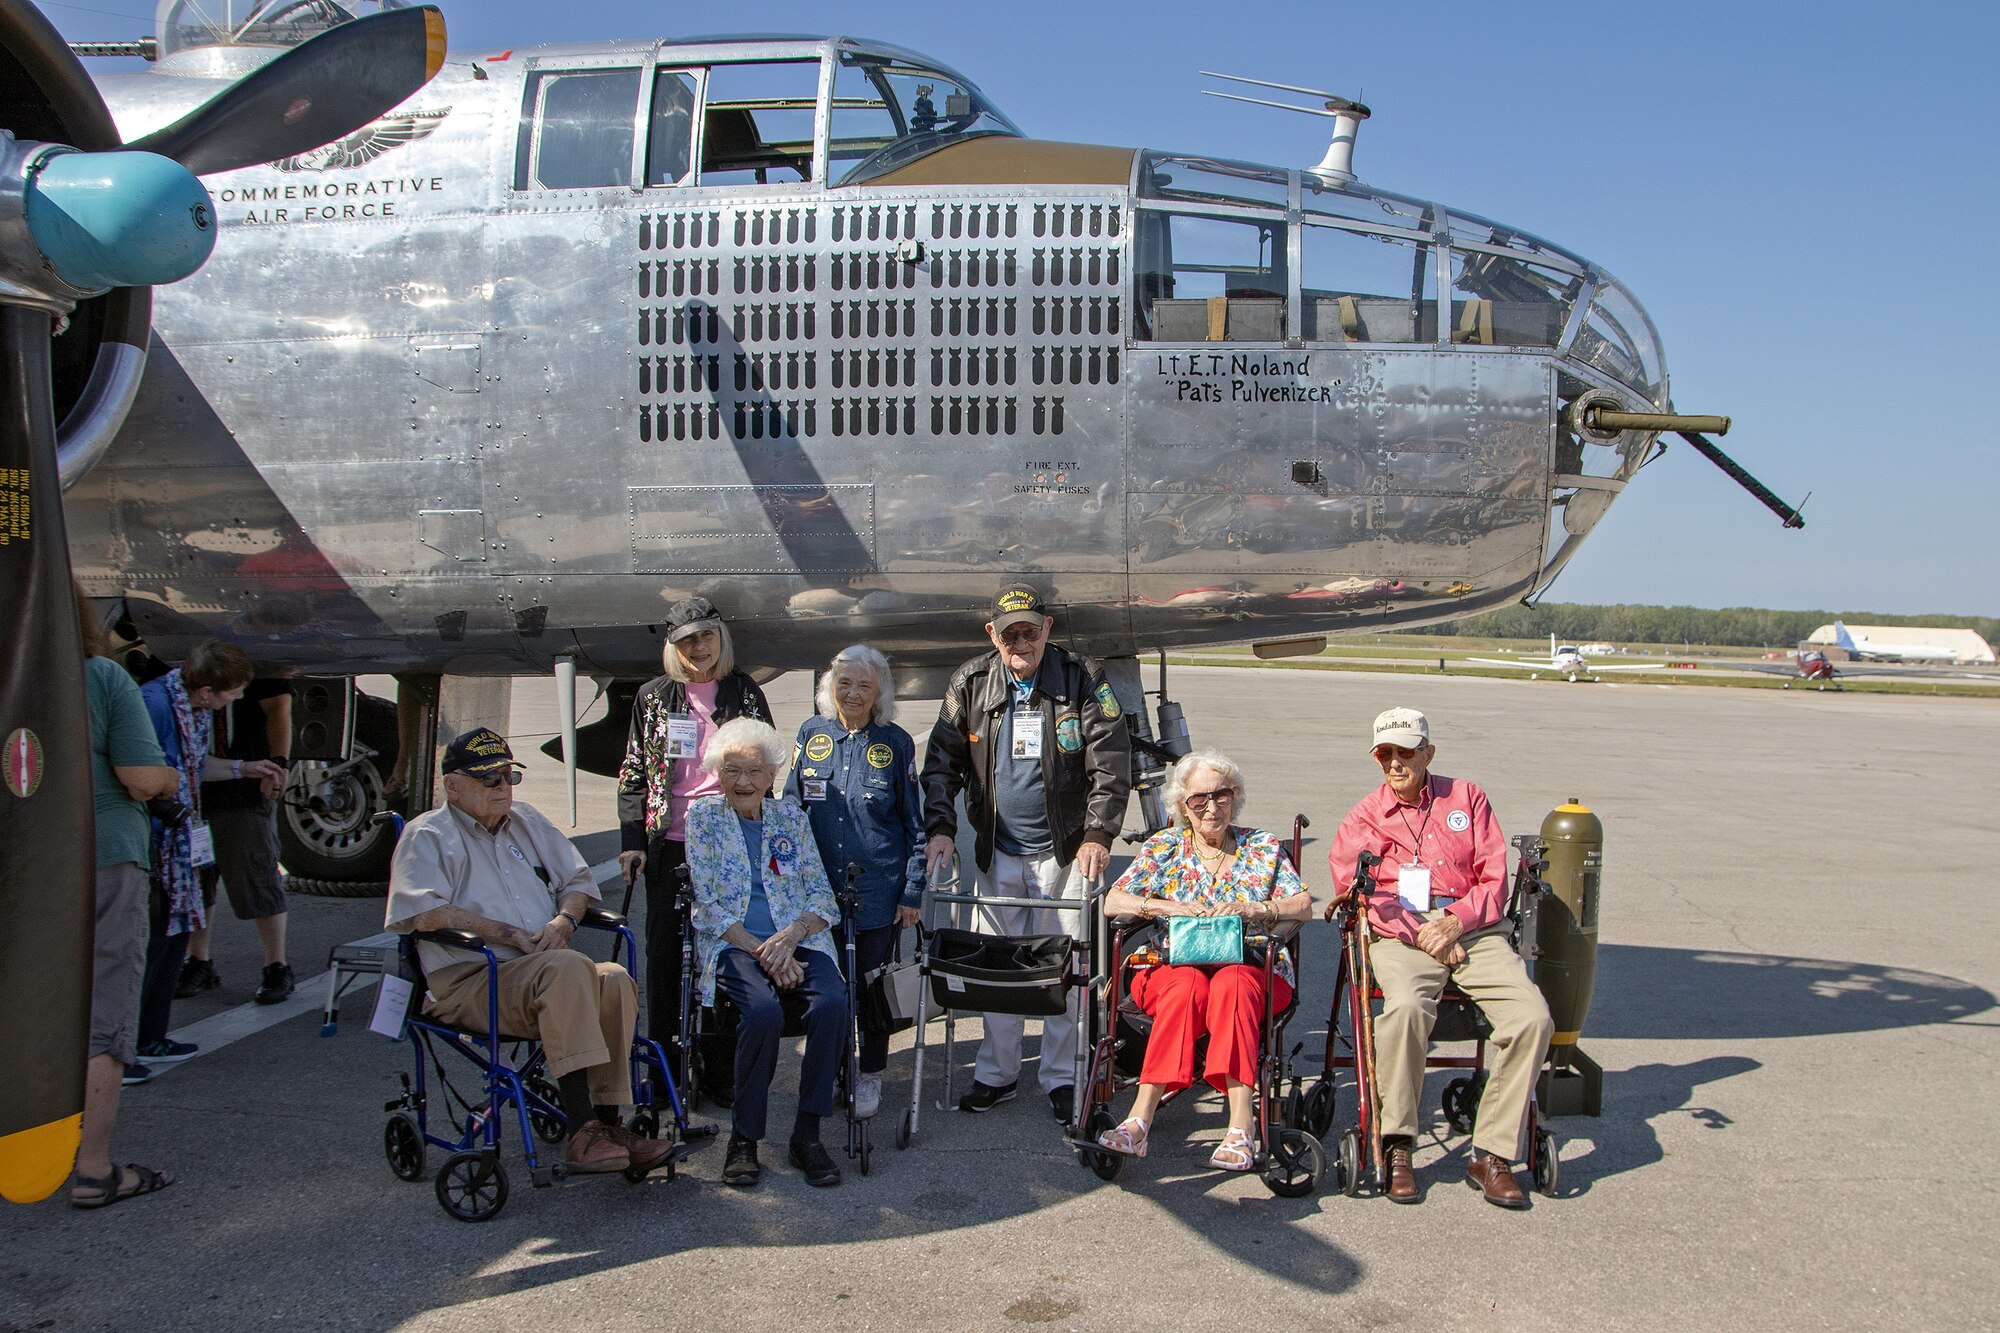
column 1364, row 1015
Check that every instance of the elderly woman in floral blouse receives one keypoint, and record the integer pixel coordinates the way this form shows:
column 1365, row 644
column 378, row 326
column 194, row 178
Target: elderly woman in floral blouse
column 1205, row 865
column 762, row 912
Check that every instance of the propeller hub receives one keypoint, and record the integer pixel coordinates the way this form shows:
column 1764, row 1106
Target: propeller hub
column 74, row 225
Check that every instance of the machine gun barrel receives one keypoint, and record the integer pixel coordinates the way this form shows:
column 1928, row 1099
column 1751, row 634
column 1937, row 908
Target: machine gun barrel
column 1601, row 418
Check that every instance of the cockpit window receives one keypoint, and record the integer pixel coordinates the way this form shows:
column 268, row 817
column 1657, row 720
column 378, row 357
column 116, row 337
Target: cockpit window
column 577, row 129
column 758, row 125
column 1207, row 279
column 1619, row 340
column 887, row 113
column 670, row 141
column 1202, row 180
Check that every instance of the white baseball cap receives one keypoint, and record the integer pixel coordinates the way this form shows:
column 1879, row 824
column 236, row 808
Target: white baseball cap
column 1401, row 726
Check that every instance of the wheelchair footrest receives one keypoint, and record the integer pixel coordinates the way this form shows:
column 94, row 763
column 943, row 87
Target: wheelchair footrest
column 701, row 1133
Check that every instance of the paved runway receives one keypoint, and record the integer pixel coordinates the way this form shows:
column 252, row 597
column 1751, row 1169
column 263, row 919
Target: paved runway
column 1795, row 1008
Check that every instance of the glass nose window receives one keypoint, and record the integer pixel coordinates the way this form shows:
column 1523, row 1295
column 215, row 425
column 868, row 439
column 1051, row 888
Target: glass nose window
column 1359, row 287
column 1207, row 279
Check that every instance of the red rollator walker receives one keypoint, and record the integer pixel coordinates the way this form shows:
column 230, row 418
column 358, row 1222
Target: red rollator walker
column 1350, row 1043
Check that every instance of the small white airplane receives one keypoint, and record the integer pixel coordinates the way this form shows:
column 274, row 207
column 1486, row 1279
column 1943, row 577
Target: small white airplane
column 1879, row 650
column 1566, row 660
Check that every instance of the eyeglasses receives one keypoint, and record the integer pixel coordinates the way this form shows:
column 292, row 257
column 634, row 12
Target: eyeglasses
column 1014, row 634
column 733, row 772
column 491, row 781
column 1382, row 753
column 1200, row 800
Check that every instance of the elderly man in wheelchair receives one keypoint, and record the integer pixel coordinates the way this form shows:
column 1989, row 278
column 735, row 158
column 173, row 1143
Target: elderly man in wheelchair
column 1440, row 914
column 490, row 867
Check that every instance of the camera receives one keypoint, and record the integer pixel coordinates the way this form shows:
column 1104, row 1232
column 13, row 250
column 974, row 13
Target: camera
column 170, row 812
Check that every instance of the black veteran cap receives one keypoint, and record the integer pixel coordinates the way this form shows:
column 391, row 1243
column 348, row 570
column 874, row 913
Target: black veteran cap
column 479, row 752
column 1016, row 603
column 691, row 615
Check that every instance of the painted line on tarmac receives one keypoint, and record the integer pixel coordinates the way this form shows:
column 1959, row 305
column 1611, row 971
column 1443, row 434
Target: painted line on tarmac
column 216, row 1031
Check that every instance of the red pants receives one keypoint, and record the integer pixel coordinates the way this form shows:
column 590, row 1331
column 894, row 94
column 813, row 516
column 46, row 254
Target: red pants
column 1224, row 1003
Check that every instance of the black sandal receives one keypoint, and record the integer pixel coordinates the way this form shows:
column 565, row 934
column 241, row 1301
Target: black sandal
column 145, row 1181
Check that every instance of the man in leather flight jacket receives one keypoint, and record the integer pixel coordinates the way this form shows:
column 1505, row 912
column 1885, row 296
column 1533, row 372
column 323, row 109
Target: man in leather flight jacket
column 1035, row 739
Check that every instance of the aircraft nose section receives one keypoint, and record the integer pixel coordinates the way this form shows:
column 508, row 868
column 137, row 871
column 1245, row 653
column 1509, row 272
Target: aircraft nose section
column 119, row 219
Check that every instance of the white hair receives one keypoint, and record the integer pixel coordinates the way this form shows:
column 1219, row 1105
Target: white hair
column 745, row 735
column 725, row 656
column 1184, row 771
column 871, row 660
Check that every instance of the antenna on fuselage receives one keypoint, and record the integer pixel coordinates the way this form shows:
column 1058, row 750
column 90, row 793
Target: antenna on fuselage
column 1338, row 164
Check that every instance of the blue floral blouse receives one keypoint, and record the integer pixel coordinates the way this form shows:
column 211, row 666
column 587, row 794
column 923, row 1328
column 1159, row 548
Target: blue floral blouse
column 719, row 867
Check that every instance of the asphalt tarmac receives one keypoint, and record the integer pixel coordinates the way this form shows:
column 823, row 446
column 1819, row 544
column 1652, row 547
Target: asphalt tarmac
column 1795, row 1009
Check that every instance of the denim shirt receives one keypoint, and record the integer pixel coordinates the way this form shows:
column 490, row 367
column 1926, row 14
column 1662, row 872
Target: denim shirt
column 860, row 791
column 719, row 865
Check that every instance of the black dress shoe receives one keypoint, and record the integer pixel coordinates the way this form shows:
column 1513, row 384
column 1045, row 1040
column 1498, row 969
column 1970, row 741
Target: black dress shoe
column 1063, row 1102
column 814, row 1162
column 740, row 1167
column 983, row 1097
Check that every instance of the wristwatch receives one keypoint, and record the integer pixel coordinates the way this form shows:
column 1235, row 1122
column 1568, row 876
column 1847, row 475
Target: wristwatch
column 575, row 922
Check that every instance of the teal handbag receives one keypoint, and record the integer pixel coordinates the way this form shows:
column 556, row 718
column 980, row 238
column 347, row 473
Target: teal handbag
column 1204, row 940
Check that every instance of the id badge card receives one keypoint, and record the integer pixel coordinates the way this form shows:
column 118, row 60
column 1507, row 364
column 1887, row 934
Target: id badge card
column 1413, row 887
column 682, row 736
column 1028, row 735
column 201, row 843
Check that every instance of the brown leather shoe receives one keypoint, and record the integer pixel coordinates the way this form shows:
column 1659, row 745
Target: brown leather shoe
column 1494, row 1178
column 594, row 1149
column 645, row 1153
column 1402, row 1178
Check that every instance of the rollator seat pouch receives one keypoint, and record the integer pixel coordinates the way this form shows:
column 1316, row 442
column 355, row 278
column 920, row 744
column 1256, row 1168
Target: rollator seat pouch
column 1000, row 974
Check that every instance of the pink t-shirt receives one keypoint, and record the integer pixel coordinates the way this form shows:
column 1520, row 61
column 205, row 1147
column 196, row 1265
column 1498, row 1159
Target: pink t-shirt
column 690, row 778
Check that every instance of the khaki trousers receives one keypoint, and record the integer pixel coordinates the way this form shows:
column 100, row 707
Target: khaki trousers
column 1497, row 980
column 582, row 1012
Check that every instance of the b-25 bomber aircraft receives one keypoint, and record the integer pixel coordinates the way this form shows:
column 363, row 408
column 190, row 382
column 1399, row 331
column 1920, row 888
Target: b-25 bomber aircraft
column 809, row 325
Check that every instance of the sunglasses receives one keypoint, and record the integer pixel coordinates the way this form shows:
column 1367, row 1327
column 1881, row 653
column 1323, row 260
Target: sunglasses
column 1020, row 634
column 1382, row 753
column 1200, row 800
column 490, row 781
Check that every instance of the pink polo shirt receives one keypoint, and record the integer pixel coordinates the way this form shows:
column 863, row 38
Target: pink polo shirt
column 1451, row 830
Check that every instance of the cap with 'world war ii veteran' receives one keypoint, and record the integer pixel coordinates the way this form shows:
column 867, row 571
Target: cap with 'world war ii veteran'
column 690, row 616
column 479, row 752
column 1016, row 604
column 1401, row 726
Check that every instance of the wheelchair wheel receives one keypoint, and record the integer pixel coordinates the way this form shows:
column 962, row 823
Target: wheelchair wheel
column 472, row 1186
column 548, row 1128
column 1548, row 1166
column 1350, row 1163
column 1295, row 1164
column 1104, row 1165
column 404, row 1143
column 1318, row 1109
column 1461, row 1103
column 906, row 1129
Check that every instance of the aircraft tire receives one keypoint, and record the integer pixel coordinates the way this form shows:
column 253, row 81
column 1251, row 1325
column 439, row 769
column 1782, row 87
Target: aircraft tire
column 338, row 852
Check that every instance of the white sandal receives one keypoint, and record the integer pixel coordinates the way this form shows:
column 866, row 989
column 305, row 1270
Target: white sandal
column 1233, row 1153
column 1128, row 1139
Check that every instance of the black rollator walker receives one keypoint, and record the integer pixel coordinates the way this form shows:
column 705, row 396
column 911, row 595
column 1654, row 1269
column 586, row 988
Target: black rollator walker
column 1028, row 975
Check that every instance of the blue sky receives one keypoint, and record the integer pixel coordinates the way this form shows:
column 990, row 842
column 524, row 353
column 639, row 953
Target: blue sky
column 1783, row 186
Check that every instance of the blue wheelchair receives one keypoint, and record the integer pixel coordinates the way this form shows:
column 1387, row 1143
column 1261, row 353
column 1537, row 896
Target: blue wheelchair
column 472, row 1183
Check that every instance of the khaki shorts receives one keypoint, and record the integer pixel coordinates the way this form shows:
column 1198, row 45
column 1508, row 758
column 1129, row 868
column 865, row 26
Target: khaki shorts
column 119, row 960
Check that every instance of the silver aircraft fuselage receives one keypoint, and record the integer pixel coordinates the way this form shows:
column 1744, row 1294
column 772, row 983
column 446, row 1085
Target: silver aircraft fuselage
column 435, row 408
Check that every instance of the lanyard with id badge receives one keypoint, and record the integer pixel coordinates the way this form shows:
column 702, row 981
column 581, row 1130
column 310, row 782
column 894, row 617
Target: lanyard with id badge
column 1413, row 878
column 1025, row 736
column 683, row 736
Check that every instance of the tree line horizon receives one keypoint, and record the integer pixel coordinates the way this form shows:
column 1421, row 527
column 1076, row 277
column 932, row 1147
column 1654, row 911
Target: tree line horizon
column 1731, row 627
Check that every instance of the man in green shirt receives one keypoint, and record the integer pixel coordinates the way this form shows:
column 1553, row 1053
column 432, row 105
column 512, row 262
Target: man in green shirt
column 126, row 769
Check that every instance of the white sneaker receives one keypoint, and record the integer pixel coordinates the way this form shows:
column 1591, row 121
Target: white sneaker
column 867, row 1096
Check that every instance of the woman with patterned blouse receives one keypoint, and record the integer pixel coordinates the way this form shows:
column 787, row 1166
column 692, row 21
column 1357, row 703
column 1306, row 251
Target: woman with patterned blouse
column 1205, row 865
column 763, row 913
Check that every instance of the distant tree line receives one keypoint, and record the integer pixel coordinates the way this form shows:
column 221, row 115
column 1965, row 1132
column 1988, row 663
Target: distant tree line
column 1735, row 626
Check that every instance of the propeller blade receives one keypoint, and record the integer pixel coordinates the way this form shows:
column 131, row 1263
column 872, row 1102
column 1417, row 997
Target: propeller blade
column 47, row 885
column 311, row 95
